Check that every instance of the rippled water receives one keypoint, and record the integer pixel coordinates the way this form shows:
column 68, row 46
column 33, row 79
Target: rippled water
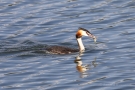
column 27, row 26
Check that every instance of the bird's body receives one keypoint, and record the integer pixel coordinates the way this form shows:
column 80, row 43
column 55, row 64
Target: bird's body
column 66, row 50
column 61, row 50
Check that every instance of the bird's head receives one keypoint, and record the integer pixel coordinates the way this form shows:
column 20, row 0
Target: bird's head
column 83, row 32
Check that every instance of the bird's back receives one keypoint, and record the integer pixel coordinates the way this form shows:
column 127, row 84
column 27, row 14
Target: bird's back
column 60, row 50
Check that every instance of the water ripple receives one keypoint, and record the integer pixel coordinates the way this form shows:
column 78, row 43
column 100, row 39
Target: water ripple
column 28, row 26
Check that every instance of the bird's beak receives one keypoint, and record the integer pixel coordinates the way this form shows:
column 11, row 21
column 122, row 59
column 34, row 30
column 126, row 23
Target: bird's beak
column 92, row 36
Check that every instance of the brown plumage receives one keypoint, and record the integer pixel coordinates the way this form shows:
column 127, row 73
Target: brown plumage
column 61, row 50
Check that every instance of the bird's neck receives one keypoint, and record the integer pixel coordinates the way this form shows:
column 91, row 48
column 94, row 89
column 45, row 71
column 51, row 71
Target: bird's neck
column 80, row 44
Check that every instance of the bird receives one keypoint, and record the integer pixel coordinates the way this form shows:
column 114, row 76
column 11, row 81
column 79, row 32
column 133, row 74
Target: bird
column 55, row 49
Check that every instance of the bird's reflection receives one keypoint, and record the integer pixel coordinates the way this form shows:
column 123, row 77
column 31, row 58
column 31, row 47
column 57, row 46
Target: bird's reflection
column 81, row 68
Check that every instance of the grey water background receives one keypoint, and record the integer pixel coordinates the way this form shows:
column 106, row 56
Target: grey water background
column 27, row 26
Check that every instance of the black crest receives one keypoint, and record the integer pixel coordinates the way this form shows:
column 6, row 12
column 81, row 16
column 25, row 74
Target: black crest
column 84, row 29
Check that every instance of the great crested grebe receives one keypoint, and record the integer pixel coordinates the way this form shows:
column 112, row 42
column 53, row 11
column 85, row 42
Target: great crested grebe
column 66, row 50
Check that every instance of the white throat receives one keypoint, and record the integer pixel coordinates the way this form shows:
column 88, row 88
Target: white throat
column 80, row 43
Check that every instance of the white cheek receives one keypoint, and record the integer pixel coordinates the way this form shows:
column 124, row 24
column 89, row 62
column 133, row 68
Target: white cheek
column 84, row 34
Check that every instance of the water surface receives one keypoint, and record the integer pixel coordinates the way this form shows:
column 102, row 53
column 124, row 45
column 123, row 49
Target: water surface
column 27, row 26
